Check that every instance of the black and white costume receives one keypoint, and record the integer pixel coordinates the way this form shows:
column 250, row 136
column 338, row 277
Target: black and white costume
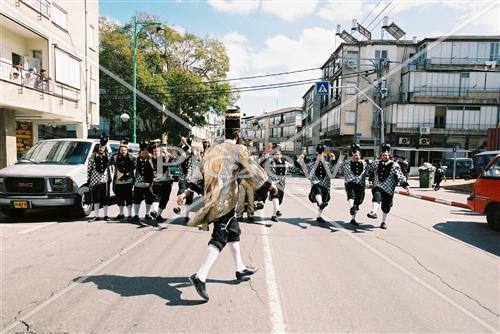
column 162, row 184
column 123, row 180
column 387, row 175
column 144, row 175
column 187, row 168
column 277, row 170
column 354, row 182
column 98, row 178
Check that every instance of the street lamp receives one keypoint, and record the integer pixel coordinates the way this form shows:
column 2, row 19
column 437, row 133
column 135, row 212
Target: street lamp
column 134, row 105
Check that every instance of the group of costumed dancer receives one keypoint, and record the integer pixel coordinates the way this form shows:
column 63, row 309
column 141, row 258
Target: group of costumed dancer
column 230, row 178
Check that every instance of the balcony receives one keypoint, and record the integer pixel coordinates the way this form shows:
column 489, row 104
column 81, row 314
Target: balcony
column 441, row 129
column 453, row 95
column 447, row 63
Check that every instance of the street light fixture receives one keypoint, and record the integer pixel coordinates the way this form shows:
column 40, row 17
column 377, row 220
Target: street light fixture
column 136, row 37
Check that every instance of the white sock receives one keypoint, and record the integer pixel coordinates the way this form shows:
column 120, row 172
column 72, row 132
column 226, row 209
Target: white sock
column 354, row 216
column 375, row 207
column 351, row 203
column 121, row 210
column 136, row 209
column 96, row 208
column 212, row 254
column 148, row 208
column 187, row 210
column 129, row 209
column 105, row 211
column 160, row 211
column 276, row 205
column 238, row 261
column 319, row 200
column 320, row 211
column 154, row 206
column 384, row 217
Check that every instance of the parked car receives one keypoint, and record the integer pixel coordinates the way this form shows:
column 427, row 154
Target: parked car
column 481, row 160
column 464, row 167
column 486, row 194
column 51, row 174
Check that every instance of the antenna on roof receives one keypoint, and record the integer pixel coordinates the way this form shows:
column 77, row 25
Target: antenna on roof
column 393, row 29
column 360, row 29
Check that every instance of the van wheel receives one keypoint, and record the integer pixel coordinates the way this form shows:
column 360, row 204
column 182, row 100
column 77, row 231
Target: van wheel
column 14, row 213
column 493, row 217
column 81, row 208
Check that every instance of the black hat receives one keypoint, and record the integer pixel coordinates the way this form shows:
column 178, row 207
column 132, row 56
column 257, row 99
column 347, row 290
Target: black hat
column 355, row 148
column 385, row 148
column 232, row 122
column 319, row 149
column 189, row 141
column 143, row 146
column 124, row 142
column 103, row 140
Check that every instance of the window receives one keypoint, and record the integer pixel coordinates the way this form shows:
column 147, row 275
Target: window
column 67, row 69
column 93, row 91
column 92, row 37
column 494, row 170
column 59, row 17
column 495, row 51
column 350, row 117
column 380, row 54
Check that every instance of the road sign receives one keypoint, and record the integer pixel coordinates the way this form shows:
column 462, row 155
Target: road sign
column 359, row 134
column 455, row 148
column 322, row 87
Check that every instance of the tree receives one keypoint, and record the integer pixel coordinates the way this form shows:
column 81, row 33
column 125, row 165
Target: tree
column 184, row 72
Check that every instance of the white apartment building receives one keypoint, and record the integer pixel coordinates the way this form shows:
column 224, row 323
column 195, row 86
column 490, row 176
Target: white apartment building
column 49, row 70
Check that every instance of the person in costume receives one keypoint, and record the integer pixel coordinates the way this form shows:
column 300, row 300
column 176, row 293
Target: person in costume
column 246, row 198
column 217, row 177
column 354, row 181
column 187, row 168
column 162, row 183
column 277, row 168
column 123, row 179
column 319, row 172
column 98, row 177
column 143, row 188
column 387, row 175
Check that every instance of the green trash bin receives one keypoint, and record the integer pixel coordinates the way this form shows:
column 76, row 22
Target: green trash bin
column 426, row 178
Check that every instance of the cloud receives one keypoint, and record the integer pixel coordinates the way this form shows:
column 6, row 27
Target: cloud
column 345, row 11
column 181, row 30
column 289, row 10
column 234, row 6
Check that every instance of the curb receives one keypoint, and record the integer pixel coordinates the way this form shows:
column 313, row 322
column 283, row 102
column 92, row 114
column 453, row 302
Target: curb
column 436, row 200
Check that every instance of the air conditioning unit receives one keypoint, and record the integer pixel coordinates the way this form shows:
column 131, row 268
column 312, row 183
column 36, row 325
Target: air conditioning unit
column 425, row 130
column 404, row 141
column 425, row 141
column 491, row 63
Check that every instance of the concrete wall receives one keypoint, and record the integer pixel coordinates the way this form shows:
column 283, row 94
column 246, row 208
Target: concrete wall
column 8, row 154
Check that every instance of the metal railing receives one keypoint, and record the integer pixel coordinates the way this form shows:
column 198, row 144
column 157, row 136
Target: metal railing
column 456, row 92
column 41, row 6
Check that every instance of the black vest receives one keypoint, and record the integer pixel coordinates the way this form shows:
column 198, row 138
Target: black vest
column 384, row 170
column 101, row 163
column 357, row 167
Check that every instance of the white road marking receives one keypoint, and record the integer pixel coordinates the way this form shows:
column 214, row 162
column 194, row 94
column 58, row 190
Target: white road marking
column 400, row 268
column 277, row 320
column 36, row 228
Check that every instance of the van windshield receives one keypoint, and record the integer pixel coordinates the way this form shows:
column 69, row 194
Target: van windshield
column 58, row 152
column 494, row 170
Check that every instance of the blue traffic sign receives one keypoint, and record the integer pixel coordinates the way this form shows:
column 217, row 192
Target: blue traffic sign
column 322, row 87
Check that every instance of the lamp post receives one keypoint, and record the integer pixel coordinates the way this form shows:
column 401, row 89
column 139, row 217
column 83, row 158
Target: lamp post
column 134, row 103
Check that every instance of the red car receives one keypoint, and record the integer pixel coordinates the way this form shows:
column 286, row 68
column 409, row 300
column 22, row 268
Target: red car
column 485, row 198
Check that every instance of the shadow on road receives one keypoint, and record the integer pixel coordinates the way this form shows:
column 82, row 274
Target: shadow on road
column 477, row 234
column 167, row 288
column 41, row 216
column 301, row 222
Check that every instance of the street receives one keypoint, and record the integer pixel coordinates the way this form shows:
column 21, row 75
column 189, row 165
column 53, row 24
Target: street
column 435, row 269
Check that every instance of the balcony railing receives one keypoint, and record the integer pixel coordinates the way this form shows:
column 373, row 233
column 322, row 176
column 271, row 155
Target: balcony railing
column 28, row 78
column 476, row 93
column 41, row 6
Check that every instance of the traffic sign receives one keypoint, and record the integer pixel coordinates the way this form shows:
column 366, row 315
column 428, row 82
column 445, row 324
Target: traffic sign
column 322, row 87
column 359, row 134
column 455, row 148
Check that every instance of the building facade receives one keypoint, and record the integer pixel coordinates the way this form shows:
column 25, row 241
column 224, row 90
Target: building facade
column 49, row 70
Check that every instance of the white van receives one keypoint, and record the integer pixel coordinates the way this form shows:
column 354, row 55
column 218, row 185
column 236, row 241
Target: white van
column 50, row 174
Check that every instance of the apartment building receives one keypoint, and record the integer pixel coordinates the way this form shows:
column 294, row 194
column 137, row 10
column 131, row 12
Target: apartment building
column 311, row 122
column 449, row 97
column 49, row 70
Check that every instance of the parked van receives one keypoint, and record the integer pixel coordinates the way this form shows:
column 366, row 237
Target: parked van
column 481, row 160
column 50, row 174
column 463, row 167
column 486, row 195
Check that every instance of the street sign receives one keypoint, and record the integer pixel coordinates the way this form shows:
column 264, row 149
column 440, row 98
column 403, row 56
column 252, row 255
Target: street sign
column 359, row 134
column 322, row 87
column 455, row 148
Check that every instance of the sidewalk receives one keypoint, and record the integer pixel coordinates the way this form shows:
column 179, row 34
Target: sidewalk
column 448, row 194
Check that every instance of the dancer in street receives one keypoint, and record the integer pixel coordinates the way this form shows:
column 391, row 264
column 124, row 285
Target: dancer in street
column 354, row 181
column 187, row 168
column 277, row 168
column 162, row 183
column 98, row 178
column 123, row 179
column 387, row 175
column 144, row 175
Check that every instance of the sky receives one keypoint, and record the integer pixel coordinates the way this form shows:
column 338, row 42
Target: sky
column 272, row 36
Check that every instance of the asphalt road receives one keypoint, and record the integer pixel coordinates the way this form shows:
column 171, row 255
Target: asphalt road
column 435, row 269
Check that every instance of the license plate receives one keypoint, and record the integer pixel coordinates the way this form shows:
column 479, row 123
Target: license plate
column 21, row 204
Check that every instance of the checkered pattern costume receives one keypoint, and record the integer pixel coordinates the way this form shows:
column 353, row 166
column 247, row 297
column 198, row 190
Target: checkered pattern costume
column 354, row 171
column 387, row 175
column 98, row 170
column 320, row 171
column 277, row 171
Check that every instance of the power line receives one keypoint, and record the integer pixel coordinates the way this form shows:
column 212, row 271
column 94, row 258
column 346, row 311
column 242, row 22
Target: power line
column 390, row 11
column 383, row 10
column 368, row 15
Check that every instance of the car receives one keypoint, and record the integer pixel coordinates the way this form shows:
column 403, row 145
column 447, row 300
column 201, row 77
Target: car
column 53, row 173
column 463, row 166
column 485, row 197
column 482, row 159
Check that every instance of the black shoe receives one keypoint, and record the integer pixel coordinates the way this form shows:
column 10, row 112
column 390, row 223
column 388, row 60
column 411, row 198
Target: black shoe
column 274, row 219
column 246, row 273
column 354, row 222
column 130, row 219
column 120, row 217
column 321, row 220
column 200, row 286
column 147, row 217
column 135, row 219
column 95, row 218
column 160, row 219
column 251, row 219
column 372, row 215
column 153, row 214
column 106, row 218
column 383, row 225
column 240, row 219
column 323, row 205
column 177, row 210
column 278, row 213
column 353, row 210
column 186, row 220
column 259, row 206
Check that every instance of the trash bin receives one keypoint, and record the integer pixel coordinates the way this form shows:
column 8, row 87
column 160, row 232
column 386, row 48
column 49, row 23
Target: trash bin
column 426, row 178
